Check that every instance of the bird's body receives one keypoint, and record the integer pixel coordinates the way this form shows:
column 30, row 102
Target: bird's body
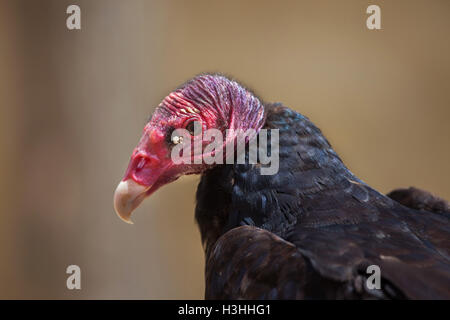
column 311, row 230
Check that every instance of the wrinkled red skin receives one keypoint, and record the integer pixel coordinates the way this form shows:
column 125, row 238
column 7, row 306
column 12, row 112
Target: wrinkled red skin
column 151, row 164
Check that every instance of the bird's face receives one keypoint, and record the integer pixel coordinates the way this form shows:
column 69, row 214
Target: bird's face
column 206, row 102
column 152, row 164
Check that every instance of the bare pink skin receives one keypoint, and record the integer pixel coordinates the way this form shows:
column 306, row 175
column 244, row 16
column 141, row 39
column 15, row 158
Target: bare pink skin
column 212, row 100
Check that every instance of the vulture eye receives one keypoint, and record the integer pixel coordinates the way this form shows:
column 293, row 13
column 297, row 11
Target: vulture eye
column 193, row 129
column 177, row 139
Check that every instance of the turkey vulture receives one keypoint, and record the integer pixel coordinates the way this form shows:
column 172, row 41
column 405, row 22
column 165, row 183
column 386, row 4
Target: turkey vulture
column 309, row 231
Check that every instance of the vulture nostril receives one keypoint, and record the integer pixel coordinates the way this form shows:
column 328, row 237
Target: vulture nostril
column 141, row 163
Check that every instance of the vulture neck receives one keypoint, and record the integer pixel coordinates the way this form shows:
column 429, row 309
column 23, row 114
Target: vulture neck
column 229, row 196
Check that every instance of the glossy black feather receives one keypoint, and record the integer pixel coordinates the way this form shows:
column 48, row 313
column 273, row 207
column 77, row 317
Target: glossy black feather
column 420, row 200
column 311, row 230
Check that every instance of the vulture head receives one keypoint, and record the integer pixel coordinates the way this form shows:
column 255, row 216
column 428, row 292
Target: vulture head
column 205, row 102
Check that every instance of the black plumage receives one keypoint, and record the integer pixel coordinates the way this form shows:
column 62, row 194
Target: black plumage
column 311, row 230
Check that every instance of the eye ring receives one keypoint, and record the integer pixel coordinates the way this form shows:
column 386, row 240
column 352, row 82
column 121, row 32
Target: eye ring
column 190, row 127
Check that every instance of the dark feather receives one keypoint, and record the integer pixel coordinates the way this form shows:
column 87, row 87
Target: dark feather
column 420, row 200
column 311, row 230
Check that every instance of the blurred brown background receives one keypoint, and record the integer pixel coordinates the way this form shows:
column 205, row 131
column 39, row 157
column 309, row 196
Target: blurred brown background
column 73, row 104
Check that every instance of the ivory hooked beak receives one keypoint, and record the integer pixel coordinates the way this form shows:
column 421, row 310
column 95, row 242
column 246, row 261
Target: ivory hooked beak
column 127, row 197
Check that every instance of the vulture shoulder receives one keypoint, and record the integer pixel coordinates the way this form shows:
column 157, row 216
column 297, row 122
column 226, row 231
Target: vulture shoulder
column 252, row 263
column 311, row 230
